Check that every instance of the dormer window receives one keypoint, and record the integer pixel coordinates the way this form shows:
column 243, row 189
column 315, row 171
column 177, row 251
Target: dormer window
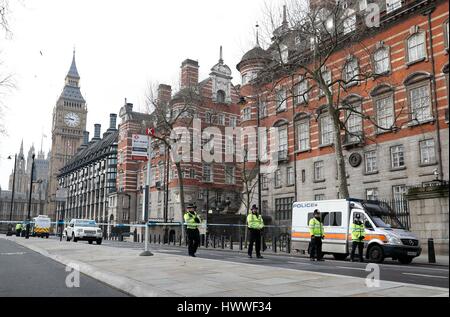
column 350, row 21
column 221, row 96
column 392, row 5
column 284, row 53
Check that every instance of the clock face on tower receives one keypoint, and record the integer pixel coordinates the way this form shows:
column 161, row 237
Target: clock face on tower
column 72, row 119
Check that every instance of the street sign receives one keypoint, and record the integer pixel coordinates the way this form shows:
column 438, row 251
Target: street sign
column 61, row 194
column 150, row 131
column 139, row 147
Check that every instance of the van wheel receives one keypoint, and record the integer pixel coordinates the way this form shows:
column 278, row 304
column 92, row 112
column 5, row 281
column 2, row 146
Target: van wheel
column 375, row 254
column 405, row 260
column 73, row 237
column 340, row 256
column 67, row 237
column 99, row 241
column 90, row 241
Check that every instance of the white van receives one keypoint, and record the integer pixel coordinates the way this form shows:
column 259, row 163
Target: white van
column 385, row 236
column 41, row 226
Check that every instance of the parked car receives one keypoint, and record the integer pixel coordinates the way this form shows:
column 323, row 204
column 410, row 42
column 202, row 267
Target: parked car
column 83, row 229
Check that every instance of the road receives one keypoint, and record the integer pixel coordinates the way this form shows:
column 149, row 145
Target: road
column 26, row 273
column 422, row 274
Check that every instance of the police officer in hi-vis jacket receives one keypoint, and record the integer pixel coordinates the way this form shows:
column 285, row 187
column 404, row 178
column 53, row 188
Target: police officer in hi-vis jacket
column 192, row 221
column 317, row 234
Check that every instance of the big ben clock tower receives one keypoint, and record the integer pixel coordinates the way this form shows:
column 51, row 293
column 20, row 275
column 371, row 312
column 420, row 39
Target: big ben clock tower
column 69, row 122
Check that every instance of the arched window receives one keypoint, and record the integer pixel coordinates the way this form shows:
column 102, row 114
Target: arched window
column 221, row 96
column 353, row 121
column 383, row 99
column 351, row 71
column 382, row 61
column 416, row 47
column 418, row 87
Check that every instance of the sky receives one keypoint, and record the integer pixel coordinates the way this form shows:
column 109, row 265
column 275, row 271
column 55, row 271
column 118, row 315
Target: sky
column 121, row 47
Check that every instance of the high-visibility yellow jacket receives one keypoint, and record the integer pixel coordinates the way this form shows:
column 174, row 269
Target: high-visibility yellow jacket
column 315, row 227
column 18, row 226
column 255, row 221
column 189, row 219
column 358, row 231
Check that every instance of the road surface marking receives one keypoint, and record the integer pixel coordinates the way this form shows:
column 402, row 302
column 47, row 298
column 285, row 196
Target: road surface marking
column 299, row 263
column 424, row 275
column 13, row 253
column 351, row 268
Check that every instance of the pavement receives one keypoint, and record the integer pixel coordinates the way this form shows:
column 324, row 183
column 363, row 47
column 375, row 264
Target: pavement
column 168, row 273
column 26, row 273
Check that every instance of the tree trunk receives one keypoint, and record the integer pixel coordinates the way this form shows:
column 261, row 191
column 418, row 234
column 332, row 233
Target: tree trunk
column 183, row 206
column 341, row 169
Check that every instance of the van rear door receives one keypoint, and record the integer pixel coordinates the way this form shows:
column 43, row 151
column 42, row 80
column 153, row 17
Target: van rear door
column 335, row 222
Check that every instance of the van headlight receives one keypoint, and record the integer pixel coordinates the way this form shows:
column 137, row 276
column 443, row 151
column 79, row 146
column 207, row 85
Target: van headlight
column 79, row 230
column 394, row 240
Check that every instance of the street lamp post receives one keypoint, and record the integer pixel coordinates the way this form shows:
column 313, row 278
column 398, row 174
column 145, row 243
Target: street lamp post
column 146, row 199
column 27, row 236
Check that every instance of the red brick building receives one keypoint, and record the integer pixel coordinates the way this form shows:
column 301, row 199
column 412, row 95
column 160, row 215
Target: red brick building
column 411, row 51
column 214, row 186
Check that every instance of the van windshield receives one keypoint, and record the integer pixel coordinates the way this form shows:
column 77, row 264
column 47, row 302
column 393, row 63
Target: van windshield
column 383, row 216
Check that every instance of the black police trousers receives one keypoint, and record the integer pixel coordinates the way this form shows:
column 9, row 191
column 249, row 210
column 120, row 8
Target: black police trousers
column 316, row 248
column 360, row 246
column 255, row 237
column 193, row 236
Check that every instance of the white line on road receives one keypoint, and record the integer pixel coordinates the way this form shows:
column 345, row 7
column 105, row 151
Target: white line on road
column 13, row 253
column 351, row 268
column 299, row 263
column 424, row 275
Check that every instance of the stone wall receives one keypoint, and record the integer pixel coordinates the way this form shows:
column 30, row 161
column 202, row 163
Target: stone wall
column 429, row 216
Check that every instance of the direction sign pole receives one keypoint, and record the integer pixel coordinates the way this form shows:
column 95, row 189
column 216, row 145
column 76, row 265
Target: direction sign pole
column 146, row 201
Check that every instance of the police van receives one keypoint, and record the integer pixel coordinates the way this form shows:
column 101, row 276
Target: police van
column 385, row 236
column 41, row 226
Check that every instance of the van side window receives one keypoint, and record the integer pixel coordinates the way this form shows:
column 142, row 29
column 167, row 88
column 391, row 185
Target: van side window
column 336, row 219
column 325, row 218
column 310, row 216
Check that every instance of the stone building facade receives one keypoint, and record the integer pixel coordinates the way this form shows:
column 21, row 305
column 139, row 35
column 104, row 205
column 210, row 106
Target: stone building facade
column 90, row 176
column 68, row 125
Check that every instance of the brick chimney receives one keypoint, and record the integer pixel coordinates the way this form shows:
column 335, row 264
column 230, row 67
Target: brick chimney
column 97, row 129
column 189, row 74
column 85, row 137
column 164, row 93
column 112, row 121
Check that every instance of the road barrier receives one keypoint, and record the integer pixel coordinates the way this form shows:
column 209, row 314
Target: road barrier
column 226, row 239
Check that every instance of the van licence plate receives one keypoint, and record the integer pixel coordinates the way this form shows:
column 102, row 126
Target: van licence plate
column 412, row 253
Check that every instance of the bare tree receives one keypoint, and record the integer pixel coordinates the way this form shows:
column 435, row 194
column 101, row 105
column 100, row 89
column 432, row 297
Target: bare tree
column 179, row 112
column 306, row 50
column 6, row 81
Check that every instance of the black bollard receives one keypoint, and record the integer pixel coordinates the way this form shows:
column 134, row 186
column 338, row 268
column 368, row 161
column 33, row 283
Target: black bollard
column 240, row 243
column 274, row 245
column 159, row 239
column 431, row 253
column 179, row 240
column 214, row 242
column 207, row 241
column 231, row 243
column 288, row 245
column 223, row 242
